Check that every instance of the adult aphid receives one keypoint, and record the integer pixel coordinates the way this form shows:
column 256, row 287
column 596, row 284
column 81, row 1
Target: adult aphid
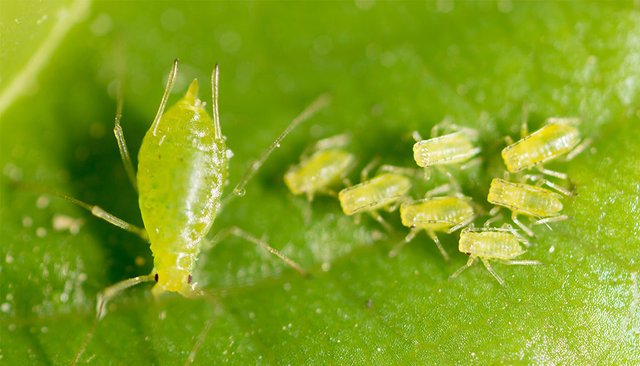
column 528, row 200
column 321, row 169
column 182, row 170
column 492, row 244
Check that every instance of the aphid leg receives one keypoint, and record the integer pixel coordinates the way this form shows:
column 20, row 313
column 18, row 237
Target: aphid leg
column 578, row 149
column 435, row 239
column 495, row 216
column 461, row 225
column 443, row 188
column 236, row 231
column 376, row 215
column 400, row 170
column 540, row 181
column 416, row 136
column 523, row 263
column 551, row 219
column 515, row 233
column 364, row 174
column 552, row 173
column 487, row 265
column 445, row 124
column 239, row 190
column 114, row 290
column 98, row 212
column 470, row 262
column 454, row 184
column 473, row 162
column 396, row 249
column 508, row 140
column 522, row 226
column 122, row 144
column 165, row 96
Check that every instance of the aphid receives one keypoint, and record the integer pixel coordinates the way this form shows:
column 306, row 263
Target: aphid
column 320, row 172
column 556, row 138
column 454, row 148
column 437, row 214
column 528, row 200
column 182, row 170
column 385, row 191
column 487, row 244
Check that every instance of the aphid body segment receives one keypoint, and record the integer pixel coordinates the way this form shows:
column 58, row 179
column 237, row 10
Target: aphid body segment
column 453, row 148
column 528, row 200
column 182, row 168
column 326, row 168
column 501, row 244
column 557, row 137
column 437, row 214
column 384, row 191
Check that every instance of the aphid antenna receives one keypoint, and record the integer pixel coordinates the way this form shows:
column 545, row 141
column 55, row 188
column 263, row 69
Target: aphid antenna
column 122, row 144
column 578, row 149
column 573, row 121
column 524, row 122
column 416, row 136
column 215, row 79
column 239, row 190
column 469, row 263
column 396, row 248
column 364, row 174
column 167, row 91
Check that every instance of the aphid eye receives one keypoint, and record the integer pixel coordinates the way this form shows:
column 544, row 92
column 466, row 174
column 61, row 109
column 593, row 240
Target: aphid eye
column 156, row 277
column 467, row 253
column 189, row 279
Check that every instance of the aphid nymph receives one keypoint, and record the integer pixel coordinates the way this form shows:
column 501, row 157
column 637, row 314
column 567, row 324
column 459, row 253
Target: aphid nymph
column 528, row 200
column 492, row 244
column 558, row 137
column 320, row 171
column 436, row 214
column 453, row 148
column 385, row 191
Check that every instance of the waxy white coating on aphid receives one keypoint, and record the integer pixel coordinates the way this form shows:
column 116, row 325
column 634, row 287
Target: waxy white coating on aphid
column 524, row 198
column 182, row 169
column 453, row 148
column 557, row 137
column 382, row 191
column 318, row 173
column 437, row 213
column 491, row 243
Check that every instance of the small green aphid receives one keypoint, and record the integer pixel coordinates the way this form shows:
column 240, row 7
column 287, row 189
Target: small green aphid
column 558, row 137
column 322, row 169
column 492, row 244
column 385, row 191
column 528, row 200
column 454, row 148
column 436, row 214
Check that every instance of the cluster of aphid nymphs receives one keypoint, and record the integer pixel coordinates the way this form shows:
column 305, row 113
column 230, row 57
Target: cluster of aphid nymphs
column 324, row 168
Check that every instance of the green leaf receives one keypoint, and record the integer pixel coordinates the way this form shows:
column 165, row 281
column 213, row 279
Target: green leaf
column 391, row 69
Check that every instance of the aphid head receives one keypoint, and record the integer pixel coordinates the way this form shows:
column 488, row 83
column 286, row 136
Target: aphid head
column 174, row 280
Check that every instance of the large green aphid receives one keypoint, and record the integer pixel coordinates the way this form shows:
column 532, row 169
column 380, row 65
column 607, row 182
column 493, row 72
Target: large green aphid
column 182, row 170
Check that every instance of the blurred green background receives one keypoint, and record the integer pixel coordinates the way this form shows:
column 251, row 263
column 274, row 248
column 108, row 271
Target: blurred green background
column 391, row 68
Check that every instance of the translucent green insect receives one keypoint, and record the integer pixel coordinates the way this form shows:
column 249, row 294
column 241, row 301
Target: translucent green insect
column 321, row 170
column 435, row 214
column 492, row 244
column 528, row 200
column 453, row 148
column 558, row 137
column 385, row 191
column 182, row 170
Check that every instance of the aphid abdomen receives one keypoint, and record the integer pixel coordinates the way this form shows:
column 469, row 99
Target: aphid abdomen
column 182, row 168
column 490, row 244
column 524, row 198
column 550, row 141
column 373, row 194
column 448, row 149
column 324, row 169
